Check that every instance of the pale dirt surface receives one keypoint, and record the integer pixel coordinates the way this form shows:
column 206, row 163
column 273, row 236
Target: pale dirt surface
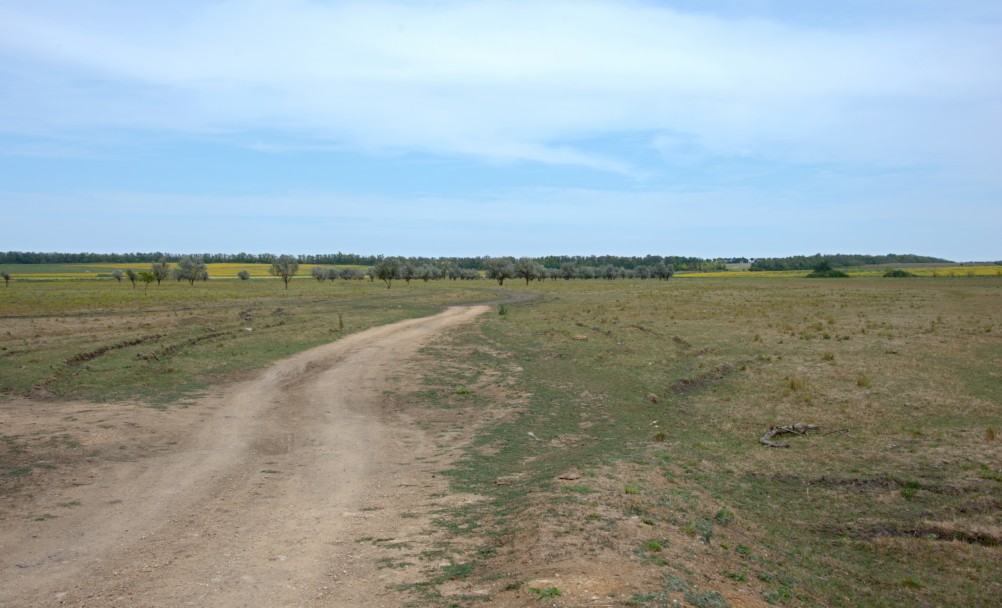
column 283, row 490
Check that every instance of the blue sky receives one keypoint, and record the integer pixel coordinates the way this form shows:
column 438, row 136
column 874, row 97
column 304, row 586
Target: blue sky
column 733, row 128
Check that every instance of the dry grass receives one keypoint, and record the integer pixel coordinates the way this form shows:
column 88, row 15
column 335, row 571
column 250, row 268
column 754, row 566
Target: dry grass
column 900, row 375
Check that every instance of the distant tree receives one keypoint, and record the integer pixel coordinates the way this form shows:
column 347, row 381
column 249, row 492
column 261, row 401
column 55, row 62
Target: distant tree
column 284, row 267
column 320, row 274
column 349, row 274
column 663, row 271
column 118, row 275
column 499, row 269
column 528, row 269
column 568, row 270
column 387, row 270
column 642, row 272
column 6, row 278
column 147, row 277
column 132, row 276
column 191, row 269
column 243, row 275
column 824, row 270
column 407, row 272
column 160, row 270
column 425, row 272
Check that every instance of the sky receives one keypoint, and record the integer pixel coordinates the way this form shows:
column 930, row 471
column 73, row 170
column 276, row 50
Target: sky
column 738, row 128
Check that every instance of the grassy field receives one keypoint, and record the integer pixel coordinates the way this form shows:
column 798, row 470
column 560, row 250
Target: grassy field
column 101, row 340
column 613, row 425
column 103, row 271
column 944, row 272
column 896, row 500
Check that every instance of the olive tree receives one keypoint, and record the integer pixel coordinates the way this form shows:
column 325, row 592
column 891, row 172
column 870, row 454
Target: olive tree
column 663, row 271
column 386, row 271
column 191, row 269
column 118, row 275
column 243, row 275
column 499, row 269
column 528, row 269
column 320, row 274
column 160, row 270
column 285, row 267
column 132, row 276
column 407, row 272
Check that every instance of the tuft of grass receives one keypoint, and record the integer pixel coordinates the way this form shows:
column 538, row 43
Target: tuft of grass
column 724, row 517
column 797, row 384
column 862, row 380
column 546, row 593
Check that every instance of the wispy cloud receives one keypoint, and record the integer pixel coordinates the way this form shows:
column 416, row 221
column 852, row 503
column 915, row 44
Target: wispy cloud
column 513, row 80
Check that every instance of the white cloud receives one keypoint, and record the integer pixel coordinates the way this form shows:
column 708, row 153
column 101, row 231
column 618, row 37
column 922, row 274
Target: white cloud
column 512, row 80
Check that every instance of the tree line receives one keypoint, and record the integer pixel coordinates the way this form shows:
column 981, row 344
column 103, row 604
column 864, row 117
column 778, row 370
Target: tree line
column 680, row 263
column 840, row 260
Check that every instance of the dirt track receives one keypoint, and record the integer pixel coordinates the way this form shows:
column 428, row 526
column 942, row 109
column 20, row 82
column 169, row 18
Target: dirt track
column 261, row 500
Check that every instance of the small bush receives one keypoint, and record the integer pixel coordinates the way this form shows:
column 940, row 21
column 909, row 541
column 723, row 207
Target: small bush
column 898, row 273
column 862, row 380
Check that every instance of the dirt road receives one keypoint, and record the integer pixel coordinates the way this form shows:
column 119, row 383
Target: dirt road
column 260, row 495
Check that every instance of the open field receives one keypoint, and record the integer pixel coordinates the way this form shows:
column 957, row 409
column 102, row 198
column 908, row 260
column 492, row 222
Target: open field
column 593, row 490
column 229, row 271
column 919, row 270
column 604, row 437
column 103, row 271
column 100, row 340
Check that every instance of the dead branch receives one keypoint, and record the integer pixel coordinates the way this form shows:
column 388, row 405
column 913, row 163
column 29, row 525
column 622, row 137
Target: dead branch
column 792, row 429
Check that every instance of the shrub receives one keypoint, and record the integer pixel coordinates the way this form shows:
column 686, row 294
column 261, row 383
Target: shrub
column 897, row 272
column 824, row 270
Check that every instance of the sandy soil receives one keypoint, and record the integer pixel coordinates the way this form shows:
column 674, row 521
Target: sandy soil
column 271, row 492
